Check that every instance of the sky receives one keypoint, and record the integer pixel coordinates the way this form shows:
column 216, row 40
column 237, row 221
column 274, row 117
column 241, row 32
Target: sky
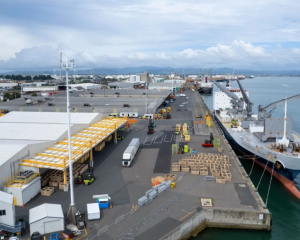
column 248, row 34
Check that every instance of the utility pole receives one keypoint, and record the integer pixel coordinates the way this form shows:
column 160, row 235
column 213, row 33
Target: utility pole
column 72, row 209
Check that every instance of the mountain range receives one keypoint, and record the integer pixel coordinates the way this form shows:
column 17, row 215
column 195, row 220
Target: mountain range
column 161, row 70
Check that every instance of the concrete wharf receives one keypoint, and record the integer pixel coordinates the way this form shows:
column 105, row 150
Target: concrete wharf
column 195, row 203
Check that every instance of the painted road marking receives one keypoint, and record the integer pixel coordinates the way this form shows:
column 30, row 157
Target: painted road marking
column 162, row 137
column 150, row 142
column 170, row 139
column 186, row 215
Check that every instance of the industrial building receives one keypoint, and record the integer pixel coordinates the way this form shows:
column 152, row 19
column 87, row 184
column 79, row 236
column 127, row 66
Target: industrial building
column 24, row 134
column 33, row 142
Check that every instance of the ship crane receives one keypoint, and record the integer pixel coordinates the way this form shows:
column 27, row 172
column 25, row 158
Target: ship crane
column 262, row 111
column 235, row 100
column 247, row 100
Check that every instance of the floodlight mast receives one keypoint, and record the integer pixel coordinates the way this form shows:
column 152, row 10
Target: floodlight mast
column 72, row 209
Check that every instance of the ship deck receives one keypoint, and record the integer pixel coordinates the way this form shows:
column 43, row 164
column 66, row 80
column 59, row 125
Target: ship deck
column 175, row 207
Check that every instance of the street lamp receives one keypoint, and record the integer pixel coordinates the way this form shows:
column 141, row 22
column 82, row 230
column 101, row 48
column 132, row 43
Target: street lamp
column 72, row 209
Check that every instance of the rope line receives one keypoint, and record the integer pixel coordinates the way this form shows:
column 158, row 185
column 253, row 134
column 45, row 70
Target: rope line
column 252, row 165
column 262, row 174
column 270, row 185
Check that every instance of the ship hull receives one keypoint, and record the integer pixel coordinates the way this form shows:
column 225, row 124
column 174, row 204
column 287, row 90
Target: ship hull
column 207, row 90
column 285, row 176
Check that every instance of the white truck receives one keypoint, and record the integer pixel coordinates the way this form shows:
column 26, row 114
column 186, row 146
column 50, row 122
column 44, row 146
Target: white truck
column 130, row 152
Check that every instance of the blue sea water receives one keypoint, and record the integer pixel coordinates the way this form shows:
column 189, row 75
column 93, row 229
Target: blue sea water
column 285, row 208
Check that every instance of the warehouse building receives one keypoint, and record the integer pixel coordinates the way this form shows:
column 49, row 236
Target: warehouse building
column 23, row 134
column 32, row 143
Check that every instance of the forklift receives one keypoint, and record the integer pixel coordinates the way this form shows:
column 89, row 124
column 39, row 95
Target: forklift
column 119, row 137
column 79, row 179
column 208, row 143
column 151, row 123
column 80, row 220
column 180, row 149
column 89, row 177
column 168, row 116
column 150, row 130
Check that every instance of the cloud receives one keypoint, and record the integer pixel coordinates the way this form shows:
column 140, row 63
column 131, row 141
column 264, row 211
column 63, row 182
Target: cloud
column 168, row 32
column 238, row 54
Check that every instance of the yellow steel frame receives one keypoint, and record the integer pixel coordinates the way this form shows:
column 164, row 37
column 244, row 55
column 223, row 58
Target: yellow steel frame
column 95, row 134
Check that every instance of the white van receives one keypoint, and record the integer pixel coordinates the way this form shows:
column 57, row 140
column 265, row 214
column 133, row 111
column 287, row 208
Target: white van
column 149, row 116
column 130, row 152
column 128, row 114
column 113, row 115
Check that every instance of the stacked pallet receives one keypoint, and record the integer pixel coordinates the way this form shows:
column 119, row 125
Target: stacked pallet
column 100, row 146
column 216, row 165
column 83, row 158
column 55, row 178
column 109, row 138
column 47, row 191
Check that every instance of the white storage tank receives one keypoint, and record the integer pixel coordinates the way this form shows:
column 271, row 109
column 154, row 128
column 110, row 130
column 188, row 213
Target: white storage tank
column 93, row 211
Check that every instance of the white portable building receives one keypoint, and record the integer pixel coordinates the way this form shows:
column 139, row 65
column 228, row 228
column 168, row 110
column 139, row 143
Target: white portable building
column 26, row 192
column 93, row 211
column 7, row 209
column 46, row 218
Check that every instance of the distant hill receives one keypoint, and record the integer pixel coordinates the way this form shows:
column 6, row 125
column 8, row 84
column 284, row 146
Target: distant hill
column 161, row 70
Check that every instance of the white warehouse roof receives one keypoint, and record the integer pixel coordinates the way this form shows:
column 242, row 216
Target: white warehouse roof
column 45, row 210
column 32, row 131
column 10, row 148
column 49, row 117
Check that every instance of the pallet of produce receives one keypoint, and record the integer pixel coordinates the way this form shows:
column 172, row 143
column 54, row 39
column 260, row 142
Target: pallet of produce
column 185, row 168
column 220, row 180
column 215, row 173
column 47, row 191
column 53, row 183
column 176, row 167
column 195, row 171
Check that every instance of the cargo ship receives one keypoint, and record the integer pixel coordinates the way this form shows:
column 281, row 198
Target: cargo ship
column 206, row 85
column 268, row 141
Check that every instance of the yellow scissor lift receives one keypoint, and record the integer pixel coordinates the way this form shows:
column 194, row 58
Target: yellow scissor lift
column 57, row 156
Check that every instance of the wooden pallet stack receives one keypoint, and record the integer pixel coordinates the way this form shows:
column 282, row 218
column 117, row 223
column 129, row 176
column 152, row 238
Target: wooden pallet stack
column 100, row 146
column 54, row 178
column 206, row 164
column 47, row 191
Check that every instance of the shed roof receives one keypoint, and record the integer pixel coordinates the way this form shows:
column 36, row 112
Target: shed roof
column 48, row 117
column 45, row 210
column 32, row 131
column 5, row 197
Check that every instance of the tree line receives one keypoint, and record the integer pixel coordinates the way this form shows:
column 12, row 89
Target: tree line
column 11, row 96
column 28, row 78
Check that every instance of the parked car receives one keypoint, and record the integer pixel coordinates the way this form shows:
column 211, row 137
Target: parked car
column 36, row 236
column 54, row 236
column 13, row 238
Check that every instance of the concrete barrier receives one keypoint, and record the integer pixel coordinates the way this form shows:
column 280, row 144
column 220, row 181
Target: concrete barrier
column 222, row 219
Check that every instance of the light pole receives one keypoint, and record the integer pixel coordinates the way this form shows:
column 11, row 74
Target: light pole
column 72, row 209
